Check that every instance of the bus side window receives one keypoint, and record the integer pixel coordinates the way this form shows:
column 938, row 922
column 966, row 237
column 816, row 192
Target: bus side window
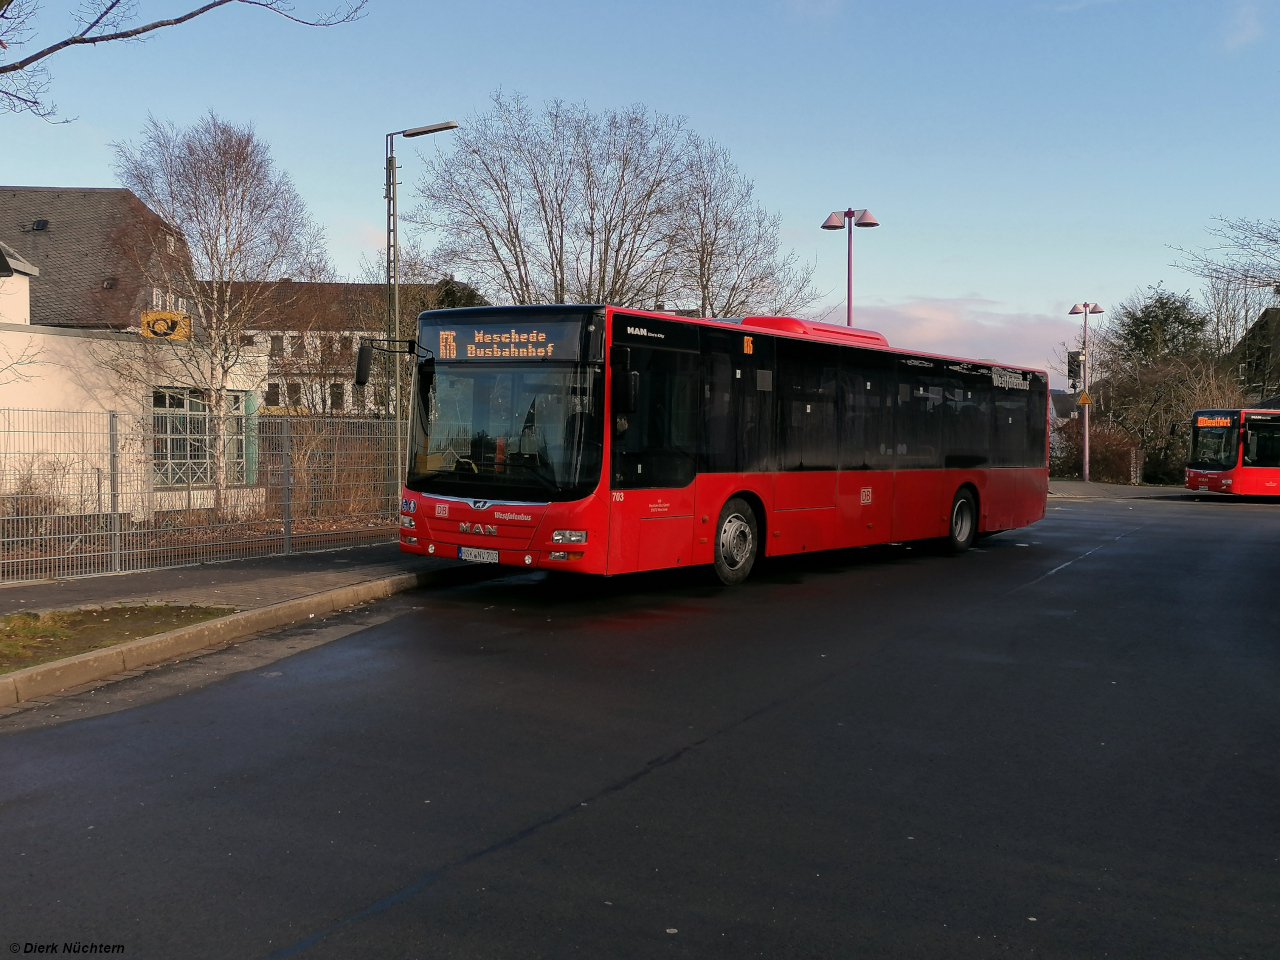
column 807, row 406
column 1012, row 426
column 866, row 410
column 918, row 420
column 968, row 444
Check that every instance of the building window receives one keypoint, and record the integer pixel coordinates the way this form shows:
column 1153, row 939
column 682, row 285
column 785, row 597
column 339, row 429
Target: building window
column 277, row 346
column 165, row 300
column 272, row 398
column 344, row 345
column 298, row 346
column 337, row 396
column 358, row 396
column 247, row 340
column 294, row 392
column 184, row 432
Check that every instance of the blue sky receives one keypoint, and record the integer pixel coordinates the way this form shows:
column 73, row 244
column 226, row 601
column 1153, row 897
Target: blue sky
column 1020, row 154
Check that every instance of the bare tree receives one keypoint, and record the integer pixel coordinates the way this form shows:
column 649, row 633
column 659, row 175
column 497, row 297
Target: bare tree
column 1248, row 253
column 24, row 83
column 624, row 207
column 1232, row 305
column 234, row 228
column 13, row 365
column 562, row 206
column 726, row 247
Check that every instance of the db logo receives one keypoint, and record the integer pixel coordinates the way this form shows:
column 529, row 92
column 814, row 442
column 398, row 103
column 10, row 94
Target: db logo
column 866, row 494
column 442, row 509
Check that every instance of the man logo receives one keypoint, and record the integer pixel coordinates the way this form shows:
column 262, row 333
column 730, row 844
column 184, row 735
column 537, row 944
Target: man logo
column 479, row 528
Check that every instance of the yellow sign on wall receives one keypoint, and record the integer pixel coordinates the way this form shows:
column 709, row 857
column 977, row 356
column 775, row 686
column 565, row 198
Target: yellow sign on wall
column 166, row 325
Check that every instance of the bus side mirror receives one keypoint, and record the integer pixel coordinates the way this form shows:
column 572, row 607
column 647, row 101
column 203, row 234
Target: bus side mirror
column 426, row 375
column 364, row 362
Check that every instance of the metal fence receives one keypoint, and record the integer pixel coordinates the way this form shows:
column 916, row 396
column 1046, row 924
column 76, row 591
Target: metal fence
column 83, row 493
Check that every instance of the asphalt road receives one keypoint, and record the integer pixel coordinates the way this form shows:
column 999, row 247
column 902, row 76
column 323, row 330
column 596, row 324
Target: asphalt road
column 1064, row 744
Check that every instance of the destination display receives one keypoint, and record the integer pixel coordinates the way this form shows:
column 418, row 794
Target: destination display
column 554, row 340
column 1213, row 421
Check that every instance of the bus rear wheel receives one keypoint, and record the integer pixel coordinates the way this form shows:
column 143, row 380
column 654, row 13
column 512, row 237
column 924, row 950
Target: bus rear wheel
column 963, row 528
column 736, row 542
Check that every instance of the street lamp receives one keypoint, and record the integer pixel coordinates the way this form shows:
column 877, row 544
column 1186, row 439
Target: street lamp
column 837, row 221
column 1084, row 309
column 393, row 259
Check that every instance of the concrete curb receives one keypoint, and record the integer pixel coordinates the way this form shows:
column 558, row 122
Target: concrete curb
column 46, row 678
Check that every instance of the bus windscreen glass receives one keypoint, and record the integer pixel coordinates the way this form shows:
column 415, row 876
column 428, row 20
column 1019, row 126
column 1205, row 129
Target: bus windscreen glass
column 1213, row 441
column 509, row 431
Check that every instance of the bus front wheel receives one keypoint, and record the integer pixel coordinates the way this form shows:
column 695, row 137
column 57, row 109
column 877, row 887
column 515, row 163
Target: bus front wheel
column 736, row 541
column 963, row 528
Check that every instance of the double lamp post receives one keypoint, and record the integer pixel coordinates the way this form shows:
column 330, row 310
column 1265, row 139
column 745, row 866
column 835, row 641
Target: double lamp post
column 1085, row 309
column 842, row 221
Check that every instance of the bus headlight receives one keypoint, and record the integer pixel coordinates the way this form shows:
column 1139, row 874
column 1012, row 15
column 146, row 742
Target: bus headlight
column 407, row 522
column 569, row 536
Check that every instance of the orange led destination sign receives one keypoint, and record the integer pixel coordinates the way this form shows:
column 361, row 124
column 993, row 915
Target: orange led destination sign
column 1213, row 421
column 545, row 341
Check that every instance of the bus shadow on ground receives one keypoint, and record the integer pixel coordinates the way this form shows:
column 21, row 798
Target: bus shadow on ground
column 574, row 593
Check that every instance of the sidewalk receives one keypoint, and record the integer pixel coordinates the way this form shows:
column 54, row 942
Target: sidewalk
column 1080, row 490
column 243, row 584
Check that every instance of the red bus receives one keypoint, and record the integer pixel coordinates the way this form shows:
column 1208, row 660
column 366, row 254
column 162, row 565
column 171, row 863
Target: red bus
column 608, row 441
column 1235, row 451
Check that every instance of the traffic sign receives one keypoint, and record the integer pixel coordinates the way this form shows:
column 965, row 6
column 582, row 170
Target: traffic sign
column 1084, row 399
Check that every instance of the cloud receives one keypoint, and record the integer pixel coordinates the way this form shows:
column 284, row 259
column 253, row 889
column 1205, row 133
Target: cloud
column 1245, row 26
column 968, row 327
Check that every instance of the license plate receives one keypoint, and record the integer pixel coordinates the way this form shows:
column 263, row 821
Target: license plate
column 1202, row 487
column 477, row 555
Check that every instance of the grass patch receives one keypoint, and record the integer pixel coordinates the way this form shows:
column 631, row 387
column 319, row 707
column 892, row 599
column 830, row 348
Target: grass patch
column 27, row 639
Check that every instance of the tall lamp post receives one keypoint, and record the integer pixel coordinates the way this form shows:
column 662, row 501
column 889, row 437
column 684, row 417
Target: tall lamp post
column 393, row 265
column 839, row 221
column 1085, row 309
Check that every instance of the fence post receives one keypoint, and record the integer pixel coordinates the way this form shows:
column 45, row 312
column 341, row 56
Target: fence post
column 114, row 434
column 286, row 445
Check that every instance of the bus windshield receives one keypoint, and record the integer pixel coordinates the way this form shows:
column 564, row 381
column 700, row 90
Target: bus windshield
column 509, row 431
column 1213, row 442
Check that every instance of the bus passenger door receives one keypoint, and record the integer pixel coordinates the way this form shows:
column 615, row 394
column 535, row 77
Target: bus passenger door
column 654, row 459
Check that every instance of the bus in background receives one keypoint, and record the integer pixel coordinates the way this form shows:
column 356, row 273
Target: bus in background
column 608, row 441
column 1235, row 451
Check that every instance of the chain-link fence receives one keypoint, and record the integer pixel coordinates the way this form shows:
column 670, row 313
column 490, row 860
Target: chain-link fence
column 84, row 493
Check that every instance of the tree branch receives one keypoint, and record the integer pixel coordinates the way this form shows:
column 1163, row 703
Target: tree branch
column 353, row 12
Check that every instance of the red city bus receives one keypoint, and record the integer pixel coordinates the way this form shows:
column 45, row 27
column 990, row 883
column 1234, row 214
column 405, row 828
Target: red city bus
column 608, row 441
column 1235, row 451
